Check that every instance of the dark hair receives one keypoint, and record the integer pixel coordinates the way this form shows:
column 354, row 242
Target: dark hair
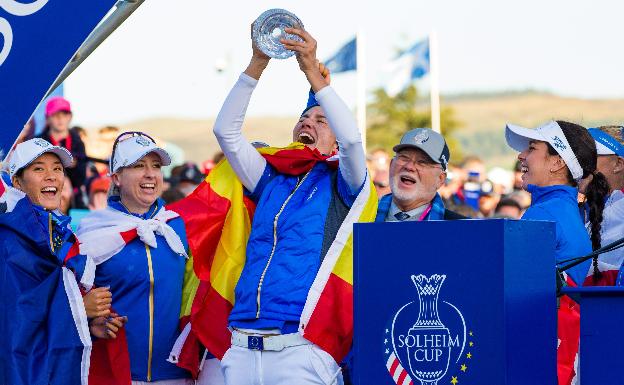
column 508, row 202
column 584, row 147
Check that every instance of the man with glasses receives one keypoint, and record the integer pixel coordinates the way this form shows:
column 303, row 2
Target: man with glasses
column 417, row 171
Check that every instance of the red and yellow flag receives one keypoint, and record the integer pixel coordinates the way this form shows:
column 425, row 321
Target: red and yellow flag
column 218, row 222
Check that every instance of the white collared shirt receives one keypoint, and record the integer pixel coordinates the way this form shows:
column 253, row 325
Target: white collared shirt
column 414, row 214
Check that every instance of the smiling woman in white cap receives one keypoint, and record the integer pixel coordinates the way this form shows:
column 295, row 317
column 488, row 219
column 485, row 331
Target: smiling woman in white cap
column 140, row 250
column 42, row 303
column 554, row 158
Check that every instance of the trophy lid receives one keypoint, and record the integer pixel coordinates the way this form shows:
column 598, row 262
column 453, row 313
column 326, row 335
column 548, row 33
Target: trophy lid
column 268, row 29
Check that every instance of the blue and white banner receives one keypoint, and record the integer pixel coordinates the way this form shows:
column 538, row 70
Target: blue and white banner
column 37, row 39
column 345, row 59
column 409, row 65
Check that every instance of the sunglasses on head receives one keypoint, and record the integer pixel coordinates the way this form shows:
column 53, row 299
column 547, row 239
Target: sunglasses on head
column 125, row 136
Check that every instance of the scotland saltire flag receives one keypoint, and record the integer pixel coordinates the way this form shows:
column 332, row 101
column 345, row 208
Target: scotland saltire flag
column 408, row 66
column 37, row 39
column 345, row 59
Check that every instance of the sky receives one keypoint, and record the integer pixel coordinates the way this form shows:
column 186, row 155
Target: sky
column 162, row 61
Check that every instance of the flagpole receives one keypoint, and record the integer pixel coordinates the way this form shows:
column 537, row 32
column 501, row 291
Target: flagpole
column 433, row 81
column 361, row 84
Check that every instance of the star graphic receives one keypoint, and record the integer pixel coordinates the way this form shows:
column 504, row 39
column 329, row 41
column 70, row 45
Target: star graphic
column 469, row 355
column 470, row 343
column 386, row 342
column 463, row 368
column 454, row 380
column 387, row 351
column 470, row 332
column 388, row 331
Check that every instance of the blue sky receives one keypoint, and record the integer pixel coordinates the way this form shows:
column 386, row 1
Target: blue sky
column 161, row 62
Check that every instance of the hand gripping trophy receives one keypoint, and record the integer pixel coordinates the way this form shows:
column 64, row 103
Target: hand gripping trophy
column 268, row 29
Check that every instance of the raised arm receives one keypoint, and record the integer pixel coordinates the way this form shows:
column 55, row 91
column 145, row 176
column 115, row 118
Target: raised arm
column 351, row 153
column 247, row 163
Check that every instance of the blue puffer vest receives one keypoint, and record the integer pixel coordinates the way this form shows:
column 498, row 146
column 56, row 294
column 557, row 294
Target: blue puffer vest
column 296, row 220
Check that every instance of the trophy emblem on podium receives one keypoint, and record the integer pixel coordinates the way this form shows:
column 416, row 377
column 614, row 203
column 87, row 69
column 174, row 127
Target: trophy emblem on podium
column 427, row 340
column 430, row 353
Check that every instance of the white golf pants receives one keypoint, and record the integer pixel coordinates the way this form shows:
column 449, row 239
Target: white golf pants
column 295, row 365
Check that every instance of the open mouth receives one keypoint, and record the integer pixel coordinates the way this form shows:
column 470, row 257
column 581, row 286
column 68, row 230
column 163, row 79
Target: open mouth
column 407, row 180
column 306, row 138
column 49, row 191
column 148, row 187
column 524, row 169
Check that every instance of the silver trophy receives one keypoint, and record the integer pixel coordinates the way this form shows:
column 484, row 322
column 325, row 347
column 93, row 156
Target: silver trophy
column 268, row 29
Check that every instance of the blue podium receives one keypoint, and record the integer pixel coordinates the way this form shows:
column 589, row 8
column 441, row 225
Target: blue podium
column 454, row 302
column 602, row 340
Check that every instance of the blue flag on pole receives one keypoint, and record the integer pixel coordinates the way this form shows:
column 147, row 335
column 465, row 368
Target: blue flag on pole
column 37, row 39
column 345, row 59
column 409, row 65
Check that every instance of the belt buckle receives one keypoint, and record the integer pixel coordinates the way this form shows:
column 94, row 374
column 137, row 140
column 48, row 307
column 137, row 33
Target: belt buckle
column 255, row 343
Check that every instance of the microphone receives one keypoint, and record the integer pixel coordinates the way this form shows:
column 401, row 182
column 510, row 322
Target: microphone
column 578, row 260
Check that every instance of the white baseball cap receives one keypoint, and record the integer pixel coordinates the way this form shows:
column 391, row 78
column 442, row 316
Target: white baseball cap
column 26, row 152
column 128, row 151
column 518, row 138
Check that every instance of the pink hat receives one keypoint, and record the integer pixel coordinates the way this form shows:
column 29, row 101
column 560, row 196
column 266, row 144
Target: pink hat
column 57, row 104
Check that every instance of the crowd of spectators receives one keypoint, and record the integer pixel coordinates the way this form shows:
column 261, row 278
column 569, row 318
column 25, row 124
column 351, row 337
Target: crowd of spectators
column 470, row 188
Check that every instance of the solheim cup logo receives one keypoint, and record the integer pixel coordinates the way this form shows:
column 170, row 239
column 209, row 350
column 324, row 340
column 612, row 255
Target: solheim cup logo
column 426, row 340
column 14, row 8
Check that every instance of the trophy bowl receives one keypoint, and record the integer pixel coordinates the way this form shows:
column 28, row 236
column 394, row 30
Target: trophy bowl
column 268, row 29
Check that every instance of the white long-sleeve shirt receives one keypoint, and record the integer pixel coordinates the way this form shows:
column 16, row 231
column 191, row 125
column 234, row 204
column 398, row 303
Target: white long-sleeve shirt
column 249, row 165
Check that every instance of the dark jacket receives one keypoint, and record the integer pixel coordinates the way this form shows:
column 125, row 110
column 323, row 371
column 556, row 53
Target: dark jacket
column 41, row 344
column 78, row 173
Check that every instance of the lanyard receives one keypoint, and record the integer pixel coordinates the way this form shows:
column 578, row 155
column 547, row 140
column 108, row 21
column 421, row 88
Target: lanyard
column 425, row 213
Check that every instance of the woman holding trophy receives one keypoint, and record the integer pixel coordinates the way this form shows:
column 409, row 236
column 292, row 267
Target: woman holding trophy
column 299, row 211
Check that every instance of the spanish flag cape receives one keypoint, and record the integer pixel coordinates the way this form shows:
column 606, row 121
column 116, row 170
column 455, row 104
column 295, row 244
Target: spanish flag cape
column 218, row 220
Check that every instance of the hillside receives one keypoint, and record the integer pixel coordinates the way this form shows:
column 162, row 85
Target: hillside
column 483, row 120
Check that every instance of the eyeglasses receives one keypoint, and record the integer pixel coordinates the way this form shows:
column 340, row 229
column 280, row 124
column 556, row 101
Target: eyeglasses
column 403, row 159
column 125, row 136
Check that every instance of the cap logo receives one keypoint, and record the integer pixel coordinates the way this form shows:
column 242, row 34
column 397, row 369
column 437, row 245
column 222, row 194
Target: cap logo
column 421, row 138
column 443, row 160
column 41, row 143
column 558, row 143
column 142, row 141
